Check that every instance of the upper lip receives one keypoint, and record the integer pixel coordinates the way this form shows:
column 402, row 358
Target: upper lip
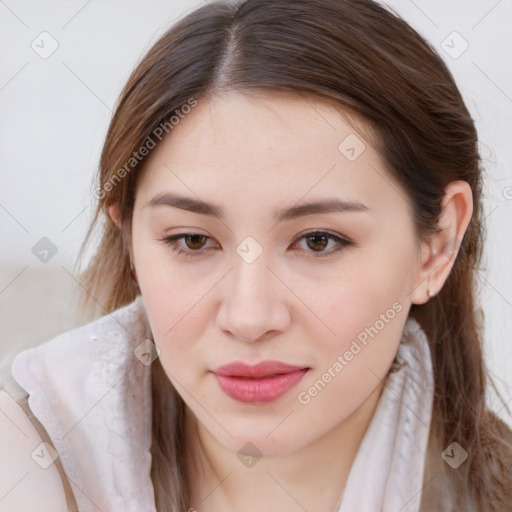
column 262, row 369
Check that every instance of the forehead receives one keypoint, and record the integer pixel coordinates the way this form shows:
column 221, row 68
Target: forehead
column 269, row 148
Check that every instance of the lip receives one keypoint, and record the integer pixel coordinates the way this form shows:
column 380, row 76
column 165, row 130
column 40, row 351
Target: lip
column 261, row 383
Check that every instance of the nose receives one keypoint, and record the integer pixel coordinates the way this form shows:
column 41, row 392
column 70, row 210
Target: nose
column 253, row 305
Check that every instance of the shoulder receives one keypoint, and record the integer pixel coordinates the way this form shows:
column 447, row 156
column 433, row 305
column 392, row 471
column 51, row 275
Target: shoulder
column 29, row 480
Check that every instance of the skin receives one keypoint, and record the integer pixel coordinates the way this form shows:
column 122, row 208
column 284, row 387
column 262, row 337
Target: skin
column 237, row 150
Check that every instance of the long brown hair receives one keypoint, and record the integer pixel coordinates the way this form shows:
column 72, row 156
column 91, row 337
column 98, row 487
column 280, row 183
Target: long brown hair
column 368, row 60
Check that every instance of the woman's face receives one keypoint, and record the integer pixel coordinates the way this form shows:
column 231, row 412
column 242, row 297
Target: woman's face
column 289, row 245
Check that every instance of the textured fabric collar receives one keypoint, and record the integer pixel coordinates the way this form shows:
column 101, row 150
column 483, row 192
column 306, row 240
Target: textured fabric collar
column 92, row 394
column 91, row 390
column 387, row 473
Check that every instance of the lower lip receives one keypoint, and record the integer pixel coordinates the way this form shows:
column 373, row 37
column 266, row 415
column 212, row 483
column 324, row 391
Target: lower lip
column 255, row 391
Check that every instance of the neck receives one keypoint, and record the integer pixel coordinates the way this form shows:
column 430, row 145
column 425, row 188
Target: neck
column 311, row 478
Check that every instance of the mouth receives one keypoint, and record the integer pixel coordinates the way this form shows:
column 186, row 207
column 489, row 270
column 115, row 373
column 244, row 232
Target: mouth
column 258, row 384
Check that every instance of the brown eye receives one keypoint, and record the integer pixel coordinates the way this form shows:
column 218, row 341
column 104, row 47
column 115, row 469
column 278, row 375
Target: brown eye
column 188, row 245
column 317, row 242
column 322, row 243
column 195, row 242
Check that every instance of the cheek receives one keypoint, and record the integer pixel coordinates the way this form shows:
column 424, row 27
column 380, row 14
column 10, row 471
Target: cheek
column 170, row 293
column 178, row 313
column 348, row 303
column 368, row 320
column 175, row 317
column 176, row 325
column 365, row 310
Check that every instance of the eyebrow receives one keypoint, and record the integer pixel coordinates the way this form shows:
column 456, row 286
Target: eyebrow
column 329, row 205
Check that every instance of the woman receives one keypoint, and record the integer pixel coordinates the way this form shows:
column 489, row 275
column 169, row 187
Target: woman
column 292, row 196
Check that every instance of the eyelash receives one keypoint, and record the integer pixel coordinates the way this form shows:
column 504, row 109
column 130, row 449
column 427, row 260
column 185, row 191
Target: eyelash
column 172, row 242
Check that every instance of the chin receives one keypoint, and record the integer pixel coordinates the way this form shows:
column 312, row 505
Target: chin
column 259, row 435
column 258, row 445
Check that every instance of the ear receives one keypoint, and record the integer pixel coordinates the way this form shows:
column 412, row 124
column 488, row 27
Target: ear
column 439, row 253
column 114, row 214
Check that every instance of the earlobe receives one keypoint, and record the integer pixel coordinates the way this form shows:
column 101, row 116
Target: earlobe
column 438, row 256
column 114, row 214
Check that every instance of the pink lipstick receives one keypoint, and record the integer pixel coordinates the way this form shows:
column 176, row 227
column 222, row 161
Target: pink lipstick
column 260, row 383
